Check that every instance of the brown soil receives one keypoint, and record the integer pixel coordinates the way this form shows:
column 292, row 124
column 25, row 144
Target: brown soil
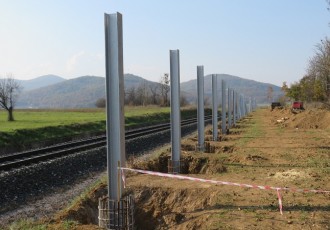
column 291, row 153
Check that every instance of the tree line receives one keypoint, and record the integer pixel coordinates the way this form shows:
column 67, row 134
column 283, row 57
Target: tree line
column 315, row 85
column 142, row 95
column 147, row 94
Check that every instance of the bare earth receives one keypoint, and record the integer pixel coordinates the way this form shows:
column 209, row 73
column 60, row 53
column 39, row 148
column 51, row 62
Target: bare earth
column 294, row 153
column 275, row 148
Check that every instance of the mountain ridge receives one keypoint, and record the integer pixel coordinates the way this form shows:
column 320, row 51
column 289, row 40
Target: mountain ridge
column 83, row 92
column 40, row 81
column 249, row 88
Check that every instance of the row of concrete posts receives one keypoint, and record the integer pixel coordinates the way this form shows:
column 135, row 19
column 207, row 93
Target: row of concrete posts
column 117, row 211
column 234, row 106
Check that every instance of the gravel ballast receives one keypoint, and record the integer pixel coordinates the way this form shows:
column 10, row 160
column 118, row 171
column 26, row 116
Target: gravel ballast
column 40, row 190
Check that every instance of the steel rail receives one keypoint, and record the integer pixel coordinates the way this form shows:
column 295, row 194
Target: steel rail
column 43, row 154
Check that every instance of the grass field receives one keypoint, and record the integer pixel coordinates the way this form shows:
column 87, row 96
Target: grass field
column 34, row 126
column 32, row 119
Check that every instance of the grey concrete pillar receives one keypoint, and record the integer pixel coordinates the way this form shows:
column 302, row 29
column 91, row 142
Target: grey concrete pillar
column 239, row 105
column 243, row 106
column 214, row 107
column 175, row 109
column 234, row 107
column 229, row 107
column 115, row 102
column 200, row 107
column 223, row 108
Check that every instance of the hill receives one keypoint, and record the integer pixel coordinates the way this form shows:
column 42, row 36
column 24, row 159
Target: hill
column 81, row 92
column 250, row 88
column 73, row 93
column 39, row 82
column 132, row 80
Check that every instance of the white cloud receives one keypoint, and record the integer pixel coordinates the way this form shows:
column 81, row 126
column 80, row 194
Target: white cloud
column 71, row 64
column 85, row 63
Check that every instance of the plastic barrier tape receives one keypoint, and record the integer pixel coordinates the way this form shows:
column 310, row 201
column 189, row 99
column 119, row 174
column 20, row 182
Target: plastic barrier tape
column 278, row 189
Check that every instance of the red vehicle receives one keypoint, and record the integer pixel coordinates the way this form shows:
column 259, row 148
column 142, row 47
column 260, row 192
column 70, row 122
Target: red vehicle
column 298, row 105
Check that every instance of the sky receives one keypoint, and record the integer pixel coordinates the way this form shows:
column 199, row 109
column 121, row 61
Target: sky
column 269, row 41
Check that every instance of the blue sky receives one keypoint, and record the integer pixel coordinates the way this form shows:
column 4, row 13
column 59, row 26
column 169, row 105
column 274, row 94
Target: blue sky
column 264, row 40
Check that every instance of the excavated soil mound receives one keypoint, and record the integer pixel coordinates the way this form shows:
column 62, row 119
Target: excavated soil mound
column 311, row 119
column 305, row 119
column 86, row 210
column 166, row 208
column 190, row 164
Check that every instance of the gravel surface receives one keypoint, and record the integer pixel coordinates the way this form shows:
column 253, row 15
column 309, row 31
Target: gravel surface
column 40, row 190
column 26, row 191
column 47, row 205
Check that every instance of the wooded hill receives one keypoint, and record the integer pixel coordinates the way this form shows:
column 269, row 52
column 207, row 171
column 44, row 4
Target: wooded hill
column 40, row 82
column 83, row 92
column 249, row 88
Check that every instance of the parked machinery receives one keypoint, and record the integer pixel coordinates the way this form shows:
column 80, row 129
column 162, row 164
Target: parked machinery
column 297, row 106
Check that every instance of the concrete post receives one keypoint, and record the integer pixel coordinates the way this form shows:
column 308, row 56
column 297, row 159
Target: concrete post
column 200, row 107
column 115, row 102
column 239, row 105
column 244, row 106
column 230, row 92
column 223, row 108
column 175, row 110
column 234, row 107
column 214, row 107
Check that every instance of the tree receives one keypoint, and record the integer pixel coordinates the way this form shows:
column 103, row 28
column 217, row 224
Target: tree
column 315, row 85
column 130, row 96
column 270, row 93
column 183, row 100
column 294, row 91
column 285, row 89
column 154, row 93
column 207, row 101
column 9, row 91
column 100, row 103
column 165, row 88
column 142, row 94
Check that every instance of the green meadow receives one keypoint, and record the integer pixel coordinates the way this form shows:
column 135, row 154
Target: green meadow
column 32, row 119
column 31, row 126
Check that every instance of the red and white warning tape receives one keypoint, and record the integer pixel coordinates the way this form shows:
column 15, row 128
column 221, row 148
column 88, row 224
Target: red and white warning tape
column 278, row 189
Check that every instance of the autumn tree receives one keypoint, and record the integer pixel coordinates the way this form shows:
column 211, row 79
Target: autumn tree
column 165, row 88
column 315, row 85
column 142, row 94
column 9, row 91
column 130, row 96
column 100, row 103
column 284, row 98
column 270, row 93
column 154, row 93
column 294, row 91
column 183, row 100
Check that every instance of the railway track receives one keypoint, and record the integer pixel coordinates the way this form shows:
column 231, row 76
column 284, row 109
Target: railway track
column 44, row 154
